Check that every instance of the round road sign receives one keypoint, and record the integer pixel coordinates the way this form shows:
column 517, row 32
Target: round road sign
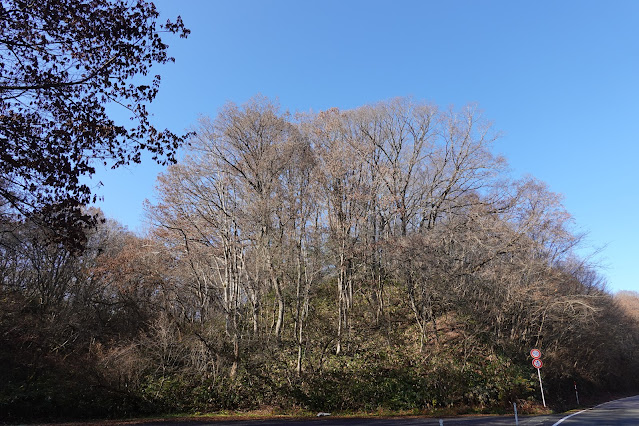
column 537, row 363
column 535, row 353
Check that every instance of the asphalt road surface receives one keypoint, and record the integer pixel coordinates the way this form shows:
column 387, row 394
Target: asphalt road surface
column 620, row 412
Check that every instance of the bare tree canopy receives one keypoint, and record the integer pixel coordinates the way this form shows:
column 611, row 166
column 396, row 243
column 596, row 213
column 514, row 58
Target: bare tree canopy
column 365, row 259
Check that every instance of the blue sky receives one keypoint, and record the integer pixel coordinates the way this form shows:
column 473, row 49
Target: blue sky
column 559, row 79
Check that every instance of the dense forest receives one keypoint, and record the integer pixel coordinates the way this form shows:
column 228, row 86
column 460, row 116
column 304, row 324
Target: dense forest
column 347, row 260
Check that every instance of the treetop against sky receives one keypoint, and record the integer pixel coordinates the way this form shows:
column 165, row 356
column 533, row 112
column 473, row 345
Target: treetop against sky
column 558, row 81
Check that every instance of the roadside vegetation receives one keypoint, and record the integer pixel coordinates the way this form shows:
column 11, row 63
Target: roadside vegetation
column 374, row 260
column 380, row 259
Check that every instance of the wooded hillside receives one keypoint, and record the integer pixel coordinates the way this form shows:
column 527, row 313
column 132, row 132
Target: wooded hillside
column 380, row 257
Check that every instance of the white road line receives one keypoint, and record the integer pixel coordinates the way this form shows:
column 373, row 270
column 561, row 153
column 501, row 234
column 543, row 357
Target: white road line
column 567, row 417
column 595, row 407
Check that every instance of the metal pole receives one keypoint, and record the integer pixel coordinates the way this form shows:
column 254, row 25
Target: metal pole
column 516, row 418
column 576, row 394
column 542, row 388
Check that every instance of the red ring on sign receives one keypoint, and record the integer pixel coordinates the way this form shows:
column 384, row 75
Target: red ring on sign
column 537, row 363
column 535, row 353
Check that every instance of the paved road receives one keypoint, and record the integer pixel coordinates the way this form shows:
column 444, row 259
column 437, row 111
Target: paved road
column 463, row 421
column 621, row 412
column 327, row 421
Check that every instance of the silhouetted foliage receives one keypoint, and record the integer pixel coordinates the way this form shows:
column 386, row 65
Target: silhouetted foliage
column 64, row 66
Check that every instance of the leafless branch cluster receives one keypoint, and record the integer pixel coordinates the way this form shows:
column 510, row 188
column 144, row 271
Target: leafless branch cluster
column 340, row 259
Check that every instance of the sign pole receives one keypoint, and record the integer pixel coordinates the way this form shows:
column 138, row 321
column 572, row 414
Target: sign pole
column 542, row 387
column 536, row 354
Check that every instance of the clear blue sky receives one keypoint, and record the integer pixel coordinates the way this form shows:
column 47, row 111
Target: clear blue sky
column 560, row 79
